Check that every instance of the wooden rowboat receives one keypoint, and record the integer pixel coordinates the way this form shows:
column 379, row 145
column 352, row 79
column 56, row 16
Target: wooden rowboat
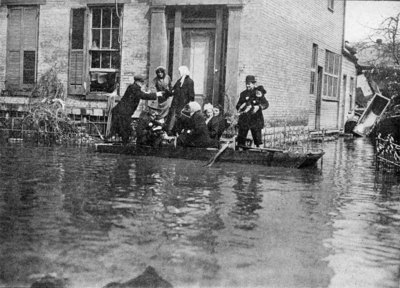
column 257, row 156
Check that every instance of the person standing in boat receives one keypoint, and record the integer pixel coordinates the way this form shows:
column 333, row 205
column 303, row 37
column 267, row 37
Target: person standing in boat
column 183, row 93
column 162, row 82
column 195, row 131
column 123, row 111
column 250, row 105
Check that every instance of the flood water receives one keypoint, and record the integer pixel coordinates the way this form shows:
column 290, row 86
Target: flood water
column 98, row 218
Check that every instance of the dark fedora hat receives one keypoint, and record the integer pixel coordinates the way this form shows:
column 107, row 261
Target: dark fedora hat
column 139, row 77
column 261, row 89
column 250, row 79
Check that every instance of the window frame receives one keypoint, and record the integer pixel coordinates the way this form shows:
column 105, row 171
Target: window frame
column 331, row 75
column 314, row 65
column 94, row 82
column 90, row 49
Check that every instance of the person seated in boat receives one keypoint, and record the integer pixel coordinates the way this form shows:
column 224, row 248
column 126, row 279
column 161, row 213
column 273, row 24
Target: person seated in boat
column 194, row 131
column 217, row 124
column 208, row 112
column 149, row 130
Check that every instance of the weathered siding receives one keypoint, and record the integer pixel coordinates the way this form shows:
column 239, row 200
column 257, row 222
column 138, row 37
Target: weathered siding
column 3, row 45
column 349, row 69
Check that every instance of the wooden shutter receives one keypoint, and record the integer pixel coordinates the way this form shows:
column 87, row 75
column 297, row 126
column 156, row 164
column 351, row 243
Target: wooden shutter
column 13, row 75
column 22, row 47
column 77, row 55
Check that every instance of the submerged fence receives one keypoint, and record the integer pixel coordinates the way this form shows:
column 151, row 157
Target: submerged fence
column 387, row 154
column 13, row 128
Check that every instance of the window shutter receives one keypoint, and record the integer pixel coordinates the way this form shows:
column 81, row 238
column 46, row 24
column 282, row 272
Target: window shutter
column 77, row 55
column 14, row 49
column 29, row 31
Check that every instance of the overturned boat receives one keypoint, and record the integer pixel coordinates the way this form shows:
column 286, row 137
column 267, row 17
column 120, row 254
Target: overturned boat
column 371, row 115
column 254, row 156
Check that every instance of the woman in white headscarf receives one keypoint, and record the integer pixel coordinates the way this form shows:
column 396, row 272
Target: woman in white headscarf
column 183, row 93
column 195, row 131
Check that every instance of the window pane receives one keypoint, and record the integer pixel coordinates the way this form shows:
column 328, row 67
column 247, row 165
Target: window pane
column 326, row 61
column 337, row 62
column 95, row 38
column 95, row 59
column 335, row 86
column 325, row 84
column 106, row 38
column 105, row 60
column 115, row 19
column 106, row 18
column 115, row 60
column 115, row 42
column 29, row 67
column 96, row 21
column 330, row 63
column 77, row 28
column 329, row 86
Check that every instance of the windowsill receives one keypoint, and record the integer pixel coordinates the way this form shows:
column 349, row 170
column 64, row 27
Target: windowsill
column 93, row 96
column 329, row 99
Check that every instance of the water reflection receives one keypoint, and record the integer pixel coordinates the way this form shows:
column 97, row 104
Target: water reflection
column 97, row 218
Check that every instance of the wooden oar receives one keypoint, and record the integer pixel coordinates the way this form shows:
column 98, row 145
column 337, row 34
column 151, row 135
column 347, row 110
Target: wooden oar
column 223, row 148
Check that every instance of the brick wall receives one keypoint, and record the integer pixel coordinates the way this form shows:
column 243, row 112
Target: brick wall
column 276, row 46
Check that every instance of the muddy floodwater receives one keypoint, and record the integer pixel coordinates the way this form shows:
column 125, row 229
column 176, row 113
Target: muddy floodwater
column 97, row 218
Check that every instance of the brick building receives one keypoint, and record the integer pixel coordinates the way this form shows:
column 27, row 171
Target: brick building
column 293, row 47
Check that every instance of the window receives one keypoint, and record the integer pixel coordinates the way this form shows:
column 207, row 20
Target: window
column 331, row 74
column 331, row 4
column 22, row 47
column 98, row 50
column 314, row 62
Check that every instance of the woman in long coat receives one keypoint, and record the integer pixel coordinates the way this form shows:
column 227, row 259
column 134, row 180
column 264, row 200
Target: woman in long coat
column 183, row 92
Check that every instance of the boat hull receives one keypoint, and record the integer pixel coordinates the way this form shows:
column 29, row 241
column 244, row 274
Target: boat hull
column 266, row 157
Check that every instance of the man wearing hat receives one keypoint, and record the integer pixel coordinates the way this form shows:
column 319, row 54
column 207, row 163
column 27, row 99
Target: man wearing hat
column 250, row 105
column 123, row 111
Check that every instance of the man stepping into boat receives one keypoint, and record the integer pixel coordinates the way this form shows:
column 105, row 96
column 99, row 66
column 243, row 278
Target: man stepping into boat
column 250, row 105
column 194, row 131
column 123, row 111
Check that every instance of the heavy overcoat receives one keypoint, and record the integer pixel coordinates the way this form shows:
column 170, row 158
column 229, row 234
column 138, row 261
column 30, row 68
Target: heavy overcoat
column 183, row 94
column 251, row 119
column 216, row 126
column 123, row 111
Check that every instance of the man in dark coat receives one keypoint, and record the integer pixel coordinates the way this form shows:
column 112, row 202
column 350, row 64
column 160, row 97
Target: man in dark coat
column 183, row 92
column 195, row 131
column 250, row 105
column 123, row 111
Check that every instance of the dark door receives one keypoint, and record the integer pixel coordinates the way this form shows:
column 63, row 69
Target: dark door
column 318, row 99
